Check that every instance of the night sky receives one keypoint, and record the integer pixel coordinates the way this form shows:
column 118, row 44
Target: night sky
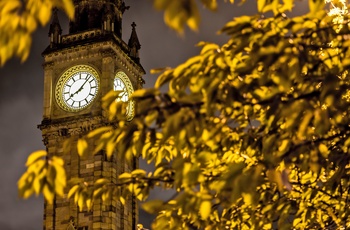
column 21, row 94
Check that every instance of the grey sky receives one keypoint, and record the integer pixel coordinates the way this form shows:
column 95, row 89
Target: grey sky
column 21, row 93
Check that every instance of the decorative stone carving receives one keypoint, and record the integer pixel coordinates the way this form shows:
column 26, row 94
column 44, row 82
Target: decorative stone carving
column 71, row 225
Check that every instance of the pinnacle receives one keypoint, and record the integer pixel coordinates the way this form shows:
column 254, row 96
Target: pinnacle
column 134, row 40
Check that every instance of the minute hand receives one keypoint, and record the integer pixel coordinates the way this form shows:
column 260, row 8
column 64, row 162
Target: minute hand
column 81, row 87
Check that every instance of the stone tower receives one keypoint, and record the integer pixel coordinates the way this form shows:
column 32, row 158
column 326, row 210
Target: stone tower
column 79, row 69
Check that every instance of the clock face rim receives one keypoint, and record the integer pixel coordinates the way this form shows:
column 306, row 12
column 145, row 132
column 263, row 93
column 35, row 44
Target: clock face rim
column 129, row 89
column 65, row 77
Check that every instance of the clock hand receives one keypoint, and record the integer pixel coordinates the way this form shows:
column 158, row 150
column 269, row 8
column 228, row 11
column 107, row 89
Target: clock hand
column 81, row 87
column 122, row 94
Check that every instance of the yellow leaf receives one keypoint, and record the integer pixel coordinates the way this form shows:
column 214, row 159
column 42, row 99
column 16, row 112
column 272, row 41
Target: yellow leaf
column 30, row 23
column 161, row 4
column 109, row 98
column 82, row 147
column 205, row 135
column 288, row 5
column 112, row 110
column 141, row 93
column 151, row 117
column 284, row 146
column 27, row 193
column 140, row 196
column 101, row 181
column 35, row 156
column 48, row 194
column 88, row 203
column 316, row 5
column 323, row 150
column 60, row 179
column 10, row 6
column 205, row 209
column 37, row 185
column 261, row 5
column 58, row 161
column 81, row 201
column 125, row 176
column 220, row 62
column 122, row 200
column 152, row 206
column 139, row 172
column 110, row 148
column 51, row 175
column 163, row 78
column 158, row 70
column 97, row 193
column 208, row 47
column 210, row 4
column 304, row 124
column 69, row 8
column 194, row 19
column 77, row 195
column 73, row 190
column 247, row 197
column 37, row 166
column 14, row 22
column 106, row 196
column 22, row 182
column 39, row 182
column 24, row 46
column 175, row 16
column 99, row 131
column 45, row 13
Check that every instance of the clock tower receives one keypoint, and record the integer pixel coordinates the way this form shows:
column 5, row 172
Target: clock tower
column 79, row 69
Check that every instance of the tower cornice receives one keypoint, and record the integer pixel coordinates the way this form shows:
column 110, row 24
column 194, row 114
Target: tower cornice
column 72, row 52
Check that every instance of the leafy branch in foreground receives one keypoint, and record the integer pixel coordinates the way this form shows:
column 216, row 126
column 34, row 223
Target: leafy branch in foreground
column 19, row 19
column 46, row 176
column 249, row 134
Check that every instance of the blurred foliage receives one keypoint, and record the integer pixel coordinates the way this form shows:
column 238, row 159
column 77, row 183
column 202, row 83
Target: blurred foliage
column 179, row 13
column 43, row 176
column 19, row 19
column 251, row 134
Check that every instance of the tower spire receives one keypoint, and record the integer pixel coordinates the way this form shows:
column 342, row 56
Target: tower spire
column 134, row 44
column 55, row 30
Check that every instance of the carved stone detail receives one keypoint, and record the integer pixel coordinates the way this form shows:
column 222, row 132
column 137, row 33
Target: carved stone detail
column 62, row 129
column 48, row 65
column 71, row 225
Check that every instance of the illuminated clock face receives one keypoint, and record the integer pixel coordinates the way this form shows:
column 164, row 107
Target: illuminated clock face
column 77, row 88
column 123, row 85
column 120, row 86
